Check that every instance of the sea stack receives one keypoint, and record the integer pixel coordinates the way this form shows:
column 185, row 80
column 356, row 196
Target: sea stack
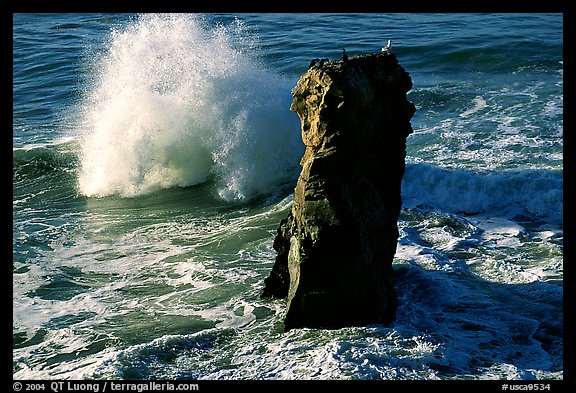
column 336, row 247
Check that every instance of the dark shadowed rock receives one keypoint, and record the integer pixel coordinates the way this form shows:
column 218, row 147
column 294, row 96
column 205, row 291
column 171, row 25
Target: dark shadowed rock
column 336, row 247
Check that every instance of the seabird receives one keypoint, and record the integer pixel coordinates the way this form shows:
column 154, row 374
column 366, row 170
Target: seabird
column 313, row 63
column 387, row 47
column 344, row 56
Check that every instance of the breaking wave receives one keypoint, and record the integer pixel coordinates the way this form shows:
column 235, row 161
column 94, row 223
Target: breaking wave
column 176, row 102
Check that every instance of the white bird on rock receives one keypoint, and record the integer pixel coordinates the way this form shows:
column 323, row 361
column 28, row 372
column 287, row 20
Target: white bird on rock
column 387, row 47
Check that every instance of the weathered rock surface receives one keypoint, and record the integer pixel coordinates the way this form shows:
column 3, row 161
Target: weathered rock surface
column 336, row 247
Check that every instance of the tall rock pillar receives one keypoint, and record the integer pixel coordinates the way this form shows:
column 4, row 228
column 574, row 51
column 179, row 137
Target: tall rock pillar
column 336, row 247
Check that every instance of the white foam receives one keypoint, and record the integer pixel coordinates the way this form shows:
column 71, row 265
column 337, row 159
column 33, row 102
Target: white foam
column 479, row 104
column 239, row 321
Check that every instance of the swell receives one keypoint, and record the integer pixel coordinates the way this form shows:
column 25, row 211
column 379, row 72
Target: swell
column 34, row 161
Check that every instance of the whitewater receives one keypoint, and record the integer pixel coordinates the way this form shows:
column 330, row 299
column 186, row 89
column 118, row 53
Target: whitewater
column 154, row 156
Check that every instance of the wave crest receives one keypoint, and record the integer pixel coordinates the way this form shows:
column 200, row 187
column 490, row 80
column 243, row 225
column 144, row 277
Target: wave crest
column 539, row 192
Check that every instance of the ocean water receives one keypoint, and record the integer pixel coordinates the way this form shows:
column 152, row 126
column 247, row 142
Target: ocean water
column 155, row 155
